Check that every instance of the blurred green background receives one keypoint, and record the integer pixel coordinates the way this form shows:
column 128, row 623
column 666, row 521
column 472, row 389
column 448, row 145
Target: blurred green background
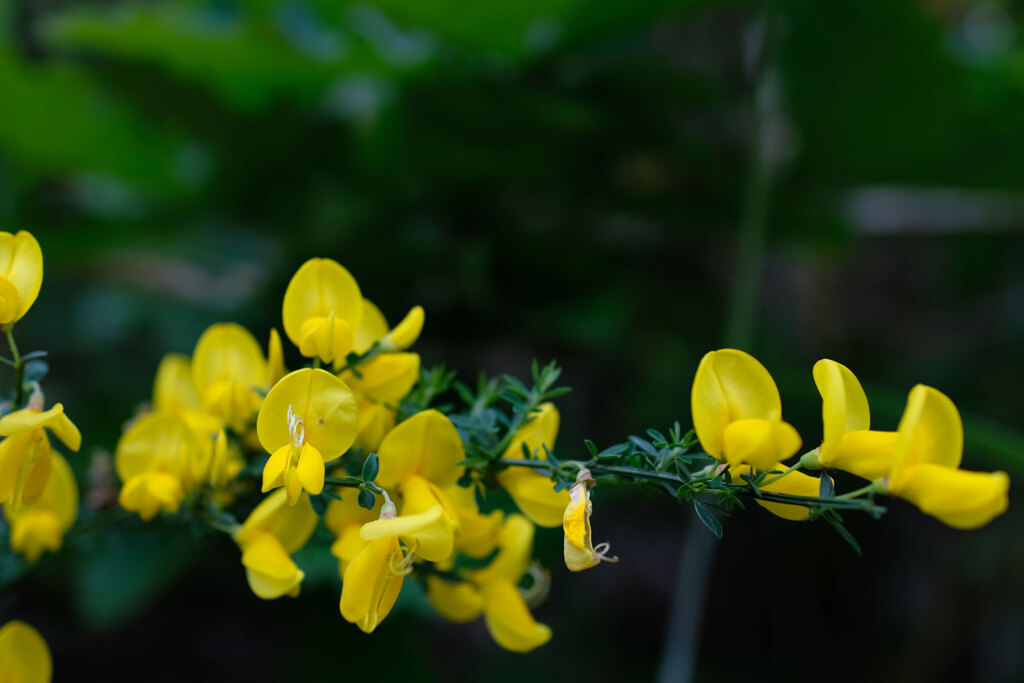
column 558, row 179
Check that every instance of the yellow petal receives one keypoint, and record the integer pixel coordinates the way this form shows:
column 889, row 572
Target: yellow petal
column 375, row 421
column 540, row 431
column 228, row 352
column 868, row 454
column 373, row 328
column 275, row 357
column 53, row 419
column 794, row 484
column 930, row 431
column 406, row 332
column 508, row 619
column 311, row 469
column 35, row 531
column 291, row 525
column 370, row 587
column 8, row 301
column 386, row 379
column 535, row 496
column 478, row 534
column 25, row 463
column 347, row 512
column 319, row 288
column 21, row 263
column 325, row 404
column 455, row 601
column 59, row 497
column 759, row 443
column 515, row 548
column 156, row 441
column 965, row 500
column 431, row 533
column 24, row 656
column 426, row 444
column 173, row 388
column 844, row 406
column 730, row 385
column 269, row 570
column 327, row 338
column 150, row 492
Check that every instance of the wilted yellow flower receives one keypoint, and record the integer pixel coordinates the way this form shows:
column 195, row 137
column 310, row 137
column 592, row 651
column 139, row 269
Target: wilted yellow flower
column 322, row 310
column 273, row 531
column 41, row 525
column 578, row 544
column 307, row 419
column 24, row 655
column 26, row 456
column 533, row 492
column 926, row 461
column 21, row 275
column 737, row 413
column 229, row 372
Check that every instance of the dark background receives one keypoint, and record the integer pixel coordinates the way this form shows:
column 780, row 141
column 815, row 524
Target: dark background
column 552, row 179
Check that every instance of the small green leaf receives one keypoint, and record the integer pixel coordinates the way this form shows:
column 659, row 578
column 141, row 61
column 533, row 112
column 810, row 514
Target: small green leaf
column 367, row 499
column 590, row 447
column 837, row 524
column 370, row 467
column 826, row 488
column 708, row 518
column 35, row 370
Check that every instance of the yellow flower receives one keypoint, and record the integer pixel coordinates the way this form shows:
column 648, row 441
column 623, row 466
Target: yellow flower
column 794, row 484
column 926, row 461
column 322, row 310
column 26, row 456
column 849, row 444
column 532, row 492
column 373, row 578
column 24, row 656
column 173, row 390
column 578, row 545
column 307, row 419
column 273, row 531
column 420, row 457
column 229, row 371
column 478, row 533
column 154, row 460
column 492, row 591
column 737, row 413
column 21, row 275
column 41, row 525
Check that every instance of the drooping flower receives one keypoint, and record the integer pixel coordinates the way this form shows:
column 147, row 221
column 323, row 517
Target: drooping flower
column 21, row 275
column 307, row 419
column 578, row 544
column 41, row 525
column 229, row 372
column 322, row 310
column 24, row 655
column 492, row 592
column 26, row 456
column 274, row 531
column 737, row 413
column 533, row 493
column 849, row 444
column 925, row 466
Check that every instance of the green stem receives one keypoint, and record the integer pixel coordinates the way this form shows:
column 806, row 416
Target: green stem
column 335, row 481
column 772, row 480
column 858, row 493
column 19, row 368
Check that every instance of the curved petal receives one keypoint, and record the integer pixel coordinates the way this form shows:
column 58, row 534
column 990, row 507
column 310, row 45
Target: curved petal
column 759, row 443
column 318, row 288
column 427, row 444
column 362, row 585
column 508, row 619
column 291, row 525
column 373, row 328
column 930, row 431
column 535, row 495
column 455, row 601
column 844, row 406
column 965, row 500
column 173, row 388
column 24, row 655
column 868, row 454
column 541, row 430
column 275, row 357
column 325, row 404
column 386, row 379
column 28, row 418
column 406, row 332
column 21, row 263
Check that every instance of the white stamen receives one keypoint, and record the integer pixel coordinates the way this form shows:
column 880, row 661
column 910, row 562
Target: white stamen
column 296, row 428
